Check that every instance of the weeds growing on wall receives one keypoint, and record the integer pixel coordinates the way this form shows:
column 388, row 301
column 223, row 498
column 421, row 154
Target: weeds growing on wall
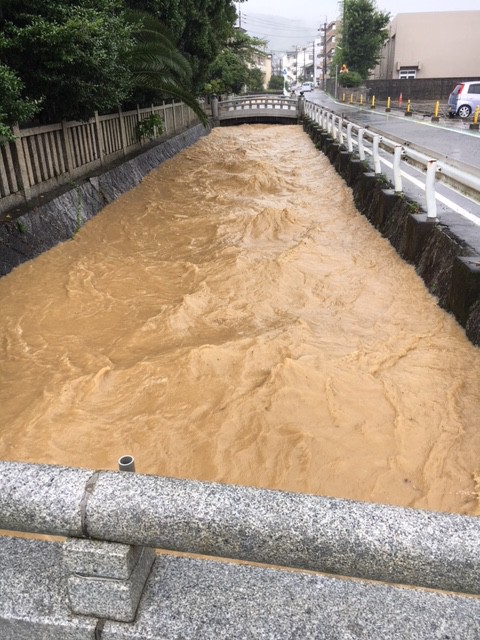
column 149, row 128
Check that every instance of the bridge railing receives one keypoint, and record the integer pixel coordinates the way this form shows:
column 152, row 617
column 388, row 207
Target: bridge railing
column 336, row 536
column 258, row 103
column 367, row 144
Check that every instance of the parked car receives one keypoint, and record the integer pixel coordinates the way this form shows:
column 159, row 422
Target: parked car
column 305, row 87
column 464, row 98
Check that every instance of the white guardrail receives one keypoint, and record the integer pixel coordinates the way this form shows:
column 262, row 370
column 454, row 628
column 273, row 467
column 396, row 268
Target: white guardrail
column 350, row 135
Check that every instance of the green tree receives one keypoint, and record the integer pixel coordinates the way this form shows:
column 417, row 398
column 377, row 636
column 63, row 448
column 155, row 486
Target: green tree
column 79, row 54
column 158, row 69
column 230, row 71
column 255, row 79
column 364, row 32
column 276, row 83
column 235, row 66
column 13, row 106
column 200, row 29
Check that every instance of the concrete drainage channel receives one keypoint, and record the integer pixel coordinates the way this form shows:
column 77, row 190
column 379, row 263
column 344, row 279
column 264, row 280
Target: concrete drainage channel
column 380, row 572
column 105, row 581
column 43, row 227
column 449, row 268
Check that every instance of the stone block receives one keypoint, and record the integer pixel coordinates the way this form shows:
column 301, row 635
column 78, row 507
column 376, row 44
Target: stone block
column 418, row 230
column 211, row 600
column 42, row 498
column 465, row 287
column 387, row 201
column 342, row 163
column 100, row 559
column 109, row 598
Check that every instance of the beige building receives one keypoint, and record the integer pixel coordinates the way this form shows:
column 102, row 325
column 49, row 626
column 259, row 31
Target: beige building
column 440, row 44
column 264, row 63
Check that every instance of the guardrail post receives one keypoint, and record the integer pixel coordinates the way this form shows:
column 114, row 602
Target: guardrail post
column 430, row 190
column 349, row 138
column 376, row 155
column 397, row 175
column 361, row 148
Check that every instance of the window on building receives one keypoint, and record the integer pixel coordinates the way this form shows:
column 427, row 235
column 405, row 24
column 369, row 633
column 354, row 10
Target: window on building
column 407, row 74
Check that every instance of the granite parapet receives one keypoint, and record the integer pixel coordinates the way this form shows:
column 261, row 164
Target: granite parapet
column 363, row 540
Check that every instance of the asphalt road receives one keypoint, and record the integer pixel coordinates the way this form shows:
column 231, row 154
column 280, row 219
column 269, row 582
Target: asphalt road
column 449, row 139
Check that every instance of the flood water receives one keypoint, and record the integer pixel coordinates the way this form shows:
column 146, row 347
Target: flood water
column 235, row 319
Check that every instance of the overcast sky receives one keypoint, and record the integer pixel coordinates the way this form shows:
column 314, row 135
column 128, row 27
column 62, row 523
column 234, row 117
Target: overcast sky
column 287, row 23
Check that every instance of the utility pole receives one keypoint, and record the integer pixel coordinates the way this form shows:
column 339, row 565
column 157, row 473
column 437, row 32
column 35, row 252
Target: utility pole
column 296, row 64
column 325, row 55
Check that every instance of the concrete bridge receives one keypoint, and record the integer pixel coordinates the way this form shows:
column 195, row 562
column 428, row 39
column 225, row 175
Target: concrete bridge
column 256, row 109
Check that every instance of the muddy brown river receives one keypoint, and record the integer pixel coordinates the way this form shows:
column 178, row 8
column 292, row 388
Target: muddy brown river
column 235, row 319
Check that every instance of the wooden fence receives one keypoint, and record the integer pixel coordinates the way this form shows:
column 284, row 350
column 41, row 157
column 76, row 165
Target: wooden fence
column 44, row 158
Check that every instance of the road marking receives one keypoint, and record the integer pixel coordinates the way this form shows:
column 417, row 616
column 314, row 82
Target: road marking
column 425, row 124
column 444, row 200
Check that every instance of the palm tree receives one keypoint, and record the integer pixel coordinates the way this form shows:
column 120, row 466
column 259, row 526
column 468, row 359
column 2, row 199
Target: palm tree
column 157, row 65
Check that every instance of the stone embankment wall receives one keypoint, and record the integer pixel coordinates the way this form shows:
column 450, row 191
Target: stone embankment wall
column 41, row 228
column 449, row 268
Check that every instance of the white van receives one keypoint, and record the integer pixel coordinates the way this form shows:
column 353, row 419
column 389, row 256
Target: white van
column 306, row 86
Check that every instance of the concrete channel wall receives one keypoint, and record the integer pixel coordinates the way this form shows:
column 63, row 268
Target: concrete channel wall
column 106, row 582
column 386, row 572
column 42, row 227
column 449, row 268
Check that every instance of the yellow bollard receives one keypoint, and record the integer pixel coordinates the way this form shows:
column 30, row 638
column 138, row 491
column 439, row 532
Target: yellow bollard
column 474, row 124
column 351, row 98
column 343, row 97
column 388, row 108
column 435, row 117
column 408, row 112
column 361, row 99
column 372, row 106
